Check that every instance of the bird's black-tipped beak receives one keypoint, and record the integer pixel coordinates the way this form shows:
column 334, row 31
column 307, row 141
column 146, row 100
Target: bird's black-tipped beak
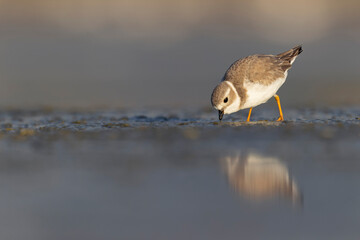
column 221, row 114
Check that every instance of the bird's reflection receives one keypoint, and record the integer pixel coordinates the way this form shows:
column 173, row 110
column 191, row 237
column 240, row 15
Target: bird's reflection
column 260, row 177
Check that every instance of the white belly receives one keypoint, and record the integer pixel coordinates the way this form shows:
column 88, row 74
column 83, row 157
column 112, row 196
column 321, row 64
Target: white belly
column 258, row 93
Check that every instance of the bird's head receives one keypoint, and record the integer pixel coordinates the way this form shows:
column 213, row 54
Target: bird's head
column 225, row 99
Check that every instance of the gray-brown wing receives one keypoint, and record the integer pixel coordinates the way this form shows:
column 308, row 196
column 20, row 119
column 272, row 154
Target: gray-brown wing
column 262, row 69
column 265, row 69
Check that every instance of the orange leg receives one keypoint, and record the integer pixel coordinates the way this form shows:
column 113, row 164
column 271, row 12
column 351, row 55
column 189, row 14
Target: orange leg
column 281, row 118
column 248, row 119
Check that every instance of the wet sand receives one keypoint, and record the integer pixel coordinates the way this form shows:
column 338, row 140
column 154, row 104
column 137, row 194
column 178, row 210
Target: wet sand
column 180, row 175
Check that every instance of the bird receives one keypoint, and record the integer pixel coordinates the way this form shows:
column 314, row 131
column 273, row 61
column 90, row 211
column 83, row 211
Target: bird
column 252, row 81
column 260, row 177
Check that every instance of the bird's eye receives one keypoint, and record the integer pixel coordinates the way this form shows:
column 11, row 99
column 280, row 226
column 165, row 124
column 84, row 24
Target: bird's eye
column 226, row 100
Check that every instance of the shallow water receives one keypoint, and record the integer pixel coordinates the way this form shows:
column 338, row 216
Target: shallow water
column 180, row 175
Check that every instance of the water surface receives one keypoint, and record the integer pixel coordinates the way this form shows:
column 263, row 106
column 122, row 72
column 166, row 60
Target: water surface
column 179, row 175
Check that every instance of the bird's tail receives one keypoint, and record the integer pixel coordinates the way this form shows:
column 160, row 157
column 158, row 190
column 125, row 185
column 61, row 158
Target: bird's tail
column 291, row 54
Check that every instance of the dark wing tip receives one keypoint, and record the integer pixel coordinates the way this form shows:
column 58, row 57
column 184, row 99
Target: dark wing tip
column 290, row 54
column 298, row 49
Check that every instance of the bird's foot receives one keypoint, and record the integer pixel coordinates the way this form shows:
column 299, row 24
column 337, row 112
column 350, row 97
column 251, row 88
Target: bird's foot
column 280, row 119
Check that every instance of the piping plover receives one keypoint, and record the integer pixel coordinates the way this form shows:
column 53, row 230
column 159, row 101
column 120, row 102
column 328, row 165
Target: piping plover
column 260, row 177
column 252, row 81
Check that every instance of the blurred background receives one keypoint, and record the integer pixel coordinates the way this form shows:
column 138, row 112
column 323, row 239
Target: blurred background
column 160, row 53
column 160, row 168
